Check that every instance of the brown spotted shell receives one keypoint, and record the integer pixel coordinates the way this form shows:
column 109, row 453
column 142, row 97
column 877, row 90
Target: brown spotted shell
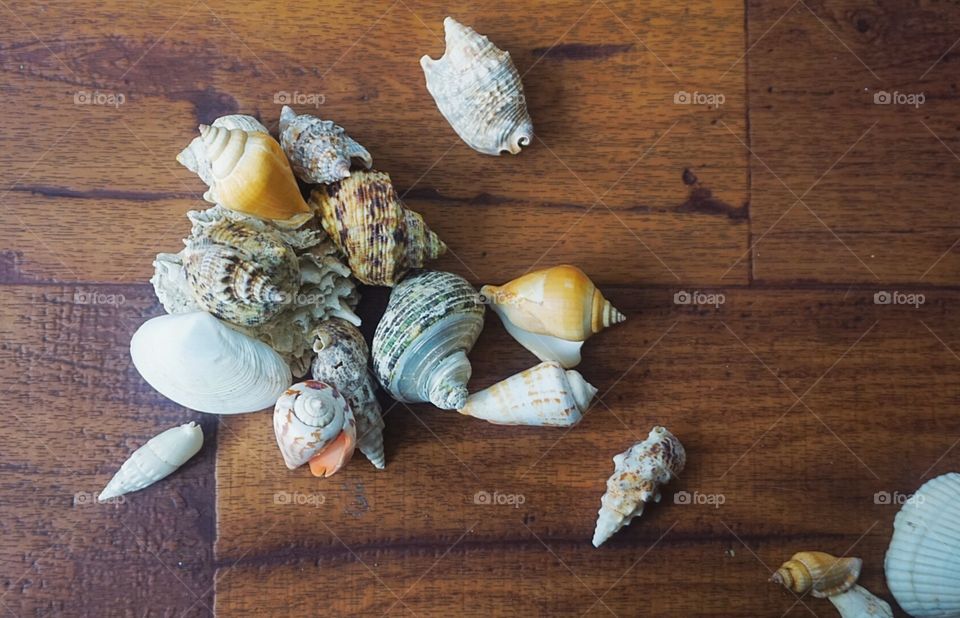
column 380, row 238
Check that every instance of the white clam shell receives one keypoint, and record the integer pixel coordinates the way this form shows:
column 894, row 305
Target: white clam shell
column 307, row 418
column 156, row 459
column 199, row 362
column 923, row 561
column 544, row 395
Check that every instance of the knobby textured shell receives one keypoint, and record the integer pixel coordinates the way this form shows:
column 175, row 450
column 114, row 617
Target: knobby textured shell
column 248, row 172
column 319, row 150
column 544, row 395
column 477, row 89
column 156, row 459
column 199, row 362
column 552, row 311
column 819, row 573
column 341, row 361
column 380, row 238
column 420, row 347
column 310, row 417
column 638, row 474
column 923, row 560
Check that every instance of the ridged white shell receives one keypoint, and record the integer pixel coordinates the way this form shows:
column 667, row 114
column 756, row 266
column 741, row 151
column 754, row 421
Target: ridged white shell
column 156, row 459
column 544, row 395
column 308, row 417
column 923, row 561
column 199, row 362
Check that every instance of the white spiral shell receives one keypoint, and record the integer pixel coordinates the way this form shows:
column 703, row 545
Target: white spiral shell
column 156, row 459
column 308, row 417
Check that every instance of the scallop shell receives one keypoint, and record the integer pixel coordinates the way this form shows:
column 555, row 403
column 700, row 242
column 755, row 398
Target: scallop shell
column 544, row 395
column 923, row 561
column 551, row 312
column 477, row 89
column 819, row 573
column 199, row 362
column 638, row 473
column 246, row 172
column 310, row 417
column 380, row 238
column 319, row 150
column 421, row 344
column 341, row 361
column 156, row 459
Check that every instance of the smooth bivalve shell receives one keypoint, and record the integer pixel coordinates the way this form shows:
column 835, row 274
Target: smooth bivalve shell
column 820, row 573
column 477, row 89
column 421, row 344
column 319, row 150
column 380, row 238
column 312, row 419
column 341, row 361
column 638, row 474
column 199, row 362
column 545, row 395
column 156, row 459
column 923, row 560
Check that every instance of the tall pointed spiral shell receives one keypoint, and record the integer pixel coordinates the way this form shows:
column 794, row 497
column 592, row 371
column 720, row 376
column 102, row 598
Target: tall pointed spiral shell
column 420, row 347
column 156, row 459
column 477, row 89
column 380, row 238
column 818, row 572
column 308, row 418
column 638, row 474
column 341, row 361
column 319, row 150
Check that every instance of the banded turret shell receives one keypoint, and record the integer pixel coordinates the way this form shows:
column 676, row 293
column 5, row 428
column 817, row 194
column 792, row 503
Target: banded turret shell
column 313, row 423
column 380, row 238
column 194, row 156
column 545, row 395
column 155, row 460
column 342, row 361
column 319, row 150
column 478, row 90
column 638, row 474
column 420, row 347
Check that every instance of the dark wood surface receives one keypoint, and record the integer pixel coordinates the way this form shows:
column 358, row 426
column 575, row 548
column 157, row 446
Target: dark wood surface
column 798, row 398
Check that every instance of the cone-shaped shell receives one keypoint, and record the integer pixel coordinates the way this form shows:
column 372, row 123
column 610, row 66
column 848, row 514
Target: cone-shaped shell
column 341, row 361
column 156, row 459
column 638, row 474
column 923, row 560
column 380, row 238
column 309, row 417
column 247, row 172
column 544, row 395
column 477, row 89
column 319, row 150
column 421, row 344
column 819, row 573
column 199, row 362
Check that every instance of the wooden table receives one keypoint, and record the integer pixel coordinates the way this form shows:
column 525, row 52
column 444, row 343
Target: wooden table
column 794, row 198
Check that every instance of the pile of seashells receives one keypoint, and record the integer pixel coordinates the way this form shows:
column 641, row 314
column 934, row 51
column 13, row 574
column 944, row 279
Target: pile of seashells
column 264, row 291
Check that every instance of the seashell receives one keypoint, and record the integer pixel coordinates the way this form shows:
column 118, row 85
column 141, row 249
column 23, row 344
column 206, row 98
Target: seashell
column 380, row 238
column 420, row 347
column 821, row 574
column 477, row 89
column 246, row 172
column 319, row 150
column 923, row 560
column 544, row 395
column 239, row 121
column 194, row 156
column 858, row 602
column 240, row 273
column 551, row 312
column 341, row 361
column 156, row 459
column 199, row 362
column 312, row 419
column 638, row 473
